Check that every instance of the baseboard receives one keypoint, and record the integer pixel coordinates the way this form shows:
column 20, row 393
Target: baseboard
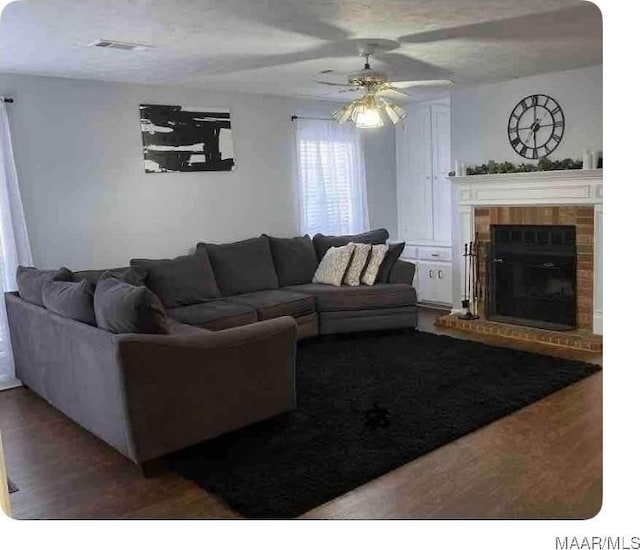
column 597, row 322
column 8, row 382
column 435, row 305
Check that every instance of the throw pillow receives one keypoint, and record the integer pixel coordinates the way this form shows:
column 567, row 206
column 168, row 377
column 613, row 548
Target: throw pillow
column 69, row 299
column 378, row 252
column 322, row 243
column 121, row 307
column 30, row 281
column 334, row 265
column 183, row 281
column 394, row 252
column 358, row 263
column 242, row 267
column 294, row 259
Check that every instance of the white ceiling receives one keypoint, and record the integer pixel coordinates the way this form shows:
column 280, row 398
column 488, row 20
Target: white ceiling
column 280, row 46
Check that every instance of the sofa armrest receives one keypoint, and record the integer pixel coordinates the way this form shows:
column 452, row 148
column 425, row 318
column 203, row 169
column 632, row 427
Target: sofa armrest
column 402, row 272
column 185, row 388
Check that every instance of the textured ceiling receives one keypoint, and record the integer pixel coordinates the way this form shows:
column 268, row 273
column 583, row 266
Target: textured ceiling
column 280, row 46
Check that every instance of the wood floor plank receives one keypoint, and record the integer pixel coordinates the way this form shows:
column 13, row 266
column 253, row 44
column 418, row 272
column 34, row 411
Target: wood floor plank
column 544, row 461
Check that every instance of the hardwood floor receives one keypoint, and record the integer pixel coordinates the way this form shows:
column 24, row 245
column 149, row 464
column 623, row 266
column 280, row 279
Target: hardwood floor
column 544, row 461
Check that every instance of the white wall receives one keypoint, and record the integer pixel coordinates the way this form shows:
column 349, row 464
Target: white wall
column 89, row 203
column 480, row 115
column 380, row 159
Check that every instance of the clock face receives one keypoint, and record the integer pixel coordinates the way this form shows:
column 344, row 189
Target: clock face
column 536, row 126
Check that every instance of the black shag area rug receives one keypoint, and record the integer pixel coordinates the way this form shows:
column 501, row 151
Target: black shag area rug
column 368, row 404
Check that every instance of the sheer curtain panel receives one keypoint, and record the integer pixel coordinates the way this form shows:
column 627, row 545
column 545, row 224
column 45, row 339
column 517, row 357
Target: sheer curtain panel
column 14, row 242
column 332, row 187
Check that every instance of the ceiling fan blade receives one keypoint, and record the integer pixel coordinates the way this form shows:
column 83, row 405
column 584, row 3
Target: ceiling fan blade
column 566, row 22
column 390, row 86
column 402, row 67
column 340, row 84
column 392, row 93
column 402, row 84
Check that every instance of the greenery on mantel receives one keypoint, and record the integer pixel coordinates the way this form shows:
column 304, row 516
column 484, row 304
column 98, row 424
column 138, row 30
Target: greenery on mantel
column 544, row 164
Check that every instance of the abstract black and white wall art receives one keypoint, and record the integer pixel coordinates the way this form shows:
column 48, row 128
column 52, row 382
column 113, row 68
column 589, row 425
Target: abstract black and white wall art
column 184, row 139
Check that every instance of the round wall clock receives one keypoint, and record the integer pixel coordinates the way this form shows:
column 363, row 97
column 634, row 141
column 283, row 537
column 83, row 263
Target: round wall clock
column 536, row 126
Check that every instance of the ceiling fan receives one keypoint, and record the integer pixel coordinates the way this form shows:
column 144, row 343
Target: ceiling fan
column 367, row 110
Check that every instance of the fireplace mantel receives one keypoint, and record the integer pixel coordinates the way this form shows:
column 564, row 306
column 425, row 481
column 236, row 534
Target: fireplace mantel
column 530, row 188
column 549, row 188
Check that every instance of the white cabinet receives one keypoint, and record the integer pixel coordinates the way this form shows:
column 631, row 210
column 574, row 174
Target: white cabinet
column 423, row 161
column 434, row 282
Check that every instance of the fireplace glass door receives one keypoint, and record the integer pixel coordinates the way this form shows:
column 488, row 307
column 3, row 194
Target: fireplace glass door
column 532, row 276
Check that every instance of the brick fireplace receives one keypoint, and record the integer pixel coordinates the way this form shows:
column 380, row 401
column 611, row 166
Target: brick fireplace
column 581, row 217
column 564, row 199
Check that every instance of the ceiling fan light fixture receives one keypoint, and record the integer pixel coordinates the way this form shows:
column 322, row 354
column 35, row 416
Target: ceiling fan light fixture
column 394, row 112
column 365, row 116
column 344, row 113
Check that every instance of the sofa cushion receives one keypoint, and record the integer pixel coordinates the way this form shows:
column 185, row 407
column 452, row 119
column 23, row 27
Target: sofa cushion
column 294, row 259
column 182, row 281
column 214, row 315
column 394, row 252
column 69, row 299
column 30, row 281
column 244, row 266
column 322, row 243
column 276, row 303
column 130, row 275
column 346, row 298
column 124, row 308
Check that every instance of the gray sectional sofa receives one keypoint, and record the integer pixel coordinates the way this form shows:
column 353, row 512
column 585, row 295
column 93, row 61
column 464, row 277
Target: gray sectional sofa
column 227, row 357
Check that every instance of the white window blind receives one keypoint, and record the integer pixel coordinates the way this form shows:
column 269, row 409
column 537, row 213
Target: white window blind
column 331, row 178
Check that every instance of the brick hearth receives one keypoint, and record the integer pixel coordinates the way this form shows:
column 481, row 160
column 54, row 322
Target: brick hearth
column 577, row 339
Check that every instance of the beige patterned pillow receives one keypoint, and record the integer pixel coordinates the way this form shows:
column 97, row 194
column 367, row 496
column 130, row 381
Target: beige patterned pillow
column 378, row 252
column 334, row 265
column 358, row 262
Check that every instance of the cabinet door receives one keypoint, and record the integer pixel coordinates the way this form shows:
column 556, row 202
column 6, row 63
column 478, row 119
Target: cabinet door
column 427, row 282
column 414, row 160
column 441, row 150
column 445, row 290
column 434, row 282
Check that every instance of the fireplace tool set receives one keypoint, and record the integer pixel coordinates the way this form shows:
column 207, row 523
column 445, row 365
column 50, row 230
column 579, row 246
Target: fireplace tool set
column 471, row 282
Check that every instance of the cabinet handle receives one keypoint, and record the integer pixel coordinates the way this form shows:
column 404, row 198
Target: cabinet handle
column 431, row 274
column 439, row 274
column 435, row 254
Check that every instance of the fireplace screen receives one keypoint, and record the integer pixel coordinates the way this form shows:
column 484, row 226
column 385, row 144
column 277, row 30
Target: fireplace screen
column 531, row 276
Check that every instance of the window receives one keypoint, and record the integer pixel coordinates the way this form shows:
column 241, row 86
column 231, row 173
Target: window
column 331, row 178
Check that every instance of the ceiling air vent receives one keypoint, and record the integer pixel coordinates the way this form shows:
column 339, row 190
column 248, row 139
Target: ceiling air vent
column 114, row 45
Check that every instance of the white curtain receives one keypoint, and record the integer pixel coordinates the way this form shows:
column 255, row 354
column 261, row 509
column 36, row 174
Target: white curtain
column 332, row 187
column 14, row 242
